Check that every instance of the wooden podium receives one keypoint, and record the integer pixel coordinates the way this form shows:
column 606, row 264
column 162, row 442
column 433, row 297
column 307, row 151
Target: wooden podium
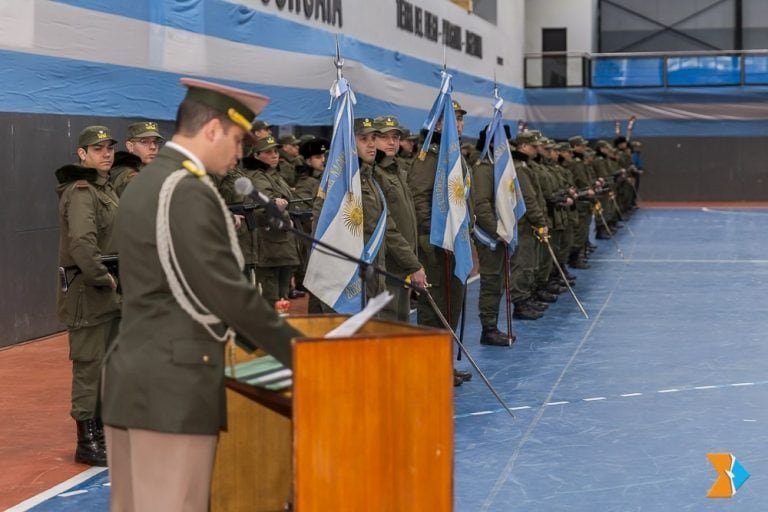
column 367, row 426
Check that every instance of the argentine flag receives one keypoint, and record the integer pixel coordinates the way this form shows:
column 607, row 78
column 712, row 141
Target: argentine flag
column 336, row 281
column 450, row 214
column 509, row 200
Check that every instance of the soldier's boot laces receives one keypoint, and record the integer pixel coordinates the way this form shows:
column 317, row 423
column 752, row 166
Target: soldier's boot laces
column 90, row 444
column 493, row 336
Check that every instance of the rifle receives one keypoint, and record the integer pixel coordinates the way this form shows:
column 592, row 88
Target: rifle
column 247, row 211
column 68, row 274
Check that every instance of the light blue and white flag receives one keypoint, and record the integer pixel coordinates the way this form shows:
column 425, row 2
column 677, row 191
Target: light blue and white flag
column 450, row 214
column 510, row 206
column 335, row 281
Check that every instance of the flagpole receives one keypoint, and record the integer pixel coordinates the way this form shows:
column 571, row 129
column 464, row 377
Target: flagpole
column 279, row 223
column 364, row 269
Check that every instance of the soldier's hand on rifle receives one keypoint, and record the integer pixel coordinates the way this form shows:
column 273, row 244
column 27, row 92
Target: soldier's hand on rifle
column 112, row 282
column 238, row 221
column 590, row 193
column 419, row 278
column 281, row 203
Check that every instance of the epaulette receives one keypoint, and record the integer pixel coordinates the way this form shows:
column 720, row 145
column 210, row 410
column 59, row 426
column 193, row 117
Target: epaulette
column 191, row 167
column 81, row 184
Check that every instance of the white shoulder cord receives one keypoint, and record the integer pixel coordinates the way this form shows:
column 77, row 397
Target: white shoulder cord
column 168, row 261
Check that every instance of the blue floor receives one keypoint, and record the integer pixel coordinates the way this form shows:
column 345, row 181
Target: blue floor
column 676, row 327
column 618, row 412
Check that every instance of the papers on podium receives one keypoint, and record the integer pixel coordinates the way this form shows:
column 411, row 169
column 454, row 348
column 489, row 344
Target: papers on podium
column 267, row 372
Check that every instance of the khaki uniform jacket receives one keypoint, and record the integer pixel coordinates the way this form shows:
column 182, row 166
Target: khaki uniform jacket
column 394, row 245
column 581, row 173
column 421, row 180
column 274, row 247
column 551, row 187
column 126, row 167
column 393, row 182
column 166, row 372
column 245, row 236
column 307, row 185
column 87, row 210
column 535, row 206
column 485, row 197
column 601, row 167
column 566, row 180
column 582, row 179
column 287, row 167
column 405, row 160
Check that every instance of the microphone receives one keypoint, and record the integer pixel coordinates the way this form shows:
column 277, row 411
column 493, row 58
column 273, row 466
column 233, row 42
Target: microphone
column 244, row 187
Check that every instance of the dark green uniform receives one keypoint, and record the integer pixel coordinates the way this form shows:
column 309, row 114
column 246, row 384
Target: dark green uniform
column 603, row 169
column 625, row 191
column 246, row 236
column 583, row 180
column 90, row 308
column 447, row 290
column 491, row 260
column 394, row 245
column 563, row 240
column 307, row 185
column 549, row 185
column 287, row 167
column 125, row 168
column 405, row 160
column 166, row 373
column 393, row 182
column 277, row 254
column 525, row 261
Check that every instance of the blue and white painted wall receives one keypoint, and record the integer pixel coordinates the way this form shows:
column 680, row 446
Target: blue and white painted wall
column 123, row 58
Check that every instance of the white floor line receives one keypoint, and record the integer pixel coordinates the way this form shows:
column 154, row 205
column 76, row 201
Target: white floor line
column 707, row 261
column 624, row 395
column 735, row 211
column 56, row 490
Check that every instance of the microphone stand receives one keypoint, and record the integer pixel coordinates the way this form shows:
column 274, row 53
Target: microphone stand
column 366, row 270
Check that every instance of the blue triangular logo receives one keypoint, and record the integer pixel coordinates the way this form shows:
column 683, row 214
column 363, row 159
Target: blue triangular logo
column 740, row 475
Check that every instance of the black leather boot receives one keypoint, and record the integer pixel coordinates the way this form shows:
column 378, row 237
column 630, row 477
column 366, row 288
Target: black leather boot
column 555, row 288
column 463, row 375
column 579, row 262
column 493, row 336
column 535, row 304
column 545, row 296
column 523, row 311
column 90, row 444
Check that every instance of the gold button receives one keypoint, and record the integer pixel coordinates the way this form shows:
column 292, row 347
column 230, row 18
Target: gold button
column 205, row 359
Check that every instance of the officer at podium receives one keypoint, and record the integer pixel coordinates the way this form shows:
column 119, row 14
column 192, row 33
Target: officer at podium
column 185, row 295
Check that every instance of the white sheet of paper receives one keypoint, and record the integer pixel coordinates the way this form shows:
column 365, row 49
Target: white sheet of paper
column 355, row 322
